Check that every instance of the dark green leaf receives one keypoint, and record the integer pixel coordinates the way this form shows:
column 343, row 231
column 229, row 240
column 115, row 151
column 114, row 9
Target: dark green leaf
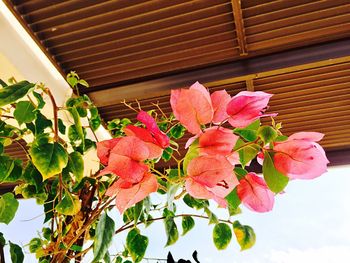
column 48, row 158
column 41, row 123
column 267, row 134
column 177, row 132
column 39, row 98
column 95, row 123
column 3, row 83
column 137, row 211
column 187, row 224
column 16, row 253
column 32, row 176
column 275, row 180
column 281, row 138
column 69, row 205
column 76, row 165
column 77, row 123
column 244, row 234
column 213, row 219
column 136, row 245
column 240, row 172
column 16, row 172
column 34, row 245
column 2, row 240
column 8, row 207
column 171, row 230
column 248, row 135
column 12, row 93
column 61, row 127
column 24, row 112
column 233, row 202
column 47, row 233
column 166, row 156
column 222, row 235
column 6, row 167
column 195, row 203
column 103, row 238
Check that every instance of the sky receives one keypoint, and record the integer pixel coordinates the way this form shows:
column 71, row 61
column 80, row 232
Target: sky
column 309, row 223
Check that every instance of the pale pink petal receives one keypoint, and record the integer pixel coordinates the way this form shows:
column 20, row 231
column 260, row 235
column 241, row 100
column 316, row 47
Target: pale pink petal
column 104, row 148
column 246, row 107
column 191, row 140
column 129, row 194
column 125, row 168
column 217, row 140
column 197, row 190
column 132, row 147
column 233, row 158
column 192, row 107
column 210, row 170
column 300, row 159
column 307, row 136
column 220, row 99
column 254, row 193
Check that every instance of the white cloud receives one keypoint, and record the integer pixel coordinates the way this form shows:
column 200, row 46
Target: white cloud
column 326, row 254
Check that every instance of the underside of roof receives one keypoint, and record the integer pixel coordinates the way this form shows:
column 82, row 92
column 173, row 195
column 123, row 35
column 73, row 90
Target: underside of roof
column 298, row 50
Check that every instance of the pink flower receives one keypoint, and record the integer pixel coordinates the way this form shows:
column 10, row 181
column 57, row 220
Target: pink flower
column 104, row 148
column 155, row 139
column 210, row 177
column 217, row 140
column 220, row 99
column 246, row 107
column 192, row 107
column 300, row 157
column 126, row 158
column 254, row 193
column 127, row 193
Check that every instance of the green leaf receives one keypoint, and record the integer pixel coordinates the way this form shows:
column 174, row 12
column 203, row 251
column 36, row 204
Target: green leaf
column 83, row 82
column 95, row 123
column 281, row 138
column 2, row 240
column 240, row 172
column 6, row 167
column 247, row 151
column 267, row 134
column 166, row 156
column 39, row 98
column 247, row 134
column 103, row 238
column 61, row 127
column 137, row 211
column 193, row 152
column 69, row 205
column 77, row 123
column 41, row 123
column 244, row 234
column 275, row 180
column 34, row 245
column 187, row 224
column 233, row 202
column 3, row 83
column 32, row 176
column 16, row 253
column 177, row 132
column 136, row 245
column 16, row 172
column 222, row 235
column 213, row 219
column 8, row 207
column 195, row 203
column 48, row 158
column 12, row 93
column 76, row 165
column 170, row 227
column 24, row 112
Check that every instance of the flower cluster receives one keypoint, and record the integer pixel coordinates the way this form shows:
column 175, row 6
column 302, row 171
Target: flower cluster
column 214, row 150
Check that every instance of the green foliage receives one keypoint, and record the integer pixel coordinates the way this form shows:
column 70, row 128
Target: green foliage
column 12, row 93
column 24, row 112
column 212, row 217
column 8, row 207
column 167, row 153
column 76, row 165
column 267, row 134
column 170, row 227
column 177, row 132
column 34, row 245
column 48, row 158
column 275, row 180
column 187, row 224
column 41, row 123
column 78, row 127
column 40, row 100
column 246, row 151
column 16, row 253
column 195, row 203
column 233, row 202
column 103, row 238
column 136, row 245
column 192, row 153
column 6, row 167
column 244, row 234
column 222, row 235
column 69, row 205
